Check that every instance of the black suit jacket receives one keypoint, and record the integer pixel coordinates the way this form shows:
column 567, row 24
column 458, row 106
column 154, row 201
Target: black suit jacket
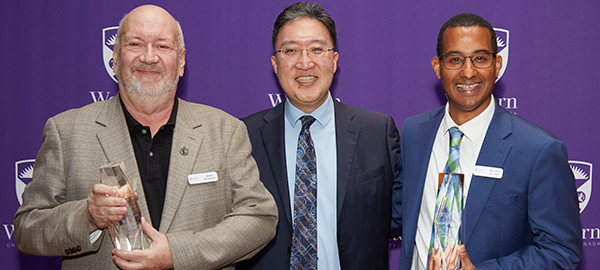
column 367, row 150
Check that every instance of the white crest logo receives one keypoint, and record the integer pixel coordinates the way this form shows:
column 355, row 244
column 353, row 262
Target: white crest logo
column 23, row 175
column 583, row 177
column 502, row 41
column 109, row 37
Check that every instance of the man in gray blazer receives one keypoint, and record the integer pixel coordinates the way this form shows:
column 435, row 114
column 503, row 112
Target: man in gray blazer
column 169, row 147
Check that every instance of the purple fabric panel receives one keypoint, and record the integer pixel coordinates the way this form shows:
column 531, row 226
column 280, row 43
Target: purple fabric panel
column 52, row 60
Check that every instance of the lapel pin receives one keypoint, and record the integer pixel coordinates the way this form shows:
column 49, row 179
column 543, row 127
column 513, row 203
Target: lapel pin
column 183, row 151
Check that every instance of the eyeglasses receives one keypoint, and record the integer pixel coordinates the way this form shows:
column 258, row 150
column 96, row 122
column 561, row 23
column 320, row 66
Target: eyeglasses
column 479, row 60
column 294, row 52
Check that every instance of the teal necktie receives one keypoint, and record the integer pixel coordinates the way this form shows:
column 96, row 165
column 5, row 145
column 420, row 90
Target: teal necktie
column 450, row 195
column 455, row 140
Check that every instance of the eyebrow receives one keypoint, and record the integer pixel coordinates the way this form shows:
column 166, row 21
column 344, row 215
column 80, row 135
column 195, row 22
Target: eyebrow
column 287, row 42
column 143, row 38
column 477, row 51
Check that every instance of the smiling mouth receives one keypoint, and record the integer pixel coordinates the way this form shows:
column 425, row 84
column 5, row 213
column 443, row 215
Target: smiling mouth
column 306, row 79
column 468, row 87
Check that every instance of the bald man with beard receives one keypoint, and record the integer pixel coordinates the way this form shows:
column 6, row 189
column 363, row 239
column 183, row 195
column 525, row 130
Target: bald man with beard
column 165, row 143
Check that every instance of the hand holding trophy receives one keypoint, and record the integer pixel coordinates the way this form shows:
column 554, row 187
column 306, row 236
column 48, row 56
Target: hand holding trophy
column 447, row 223
column 127, row 233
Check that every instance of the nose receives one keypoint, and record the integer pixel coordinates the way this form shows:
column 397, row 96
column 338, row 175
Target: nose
column 304, row 61
column 149, row 56
column 468, row 70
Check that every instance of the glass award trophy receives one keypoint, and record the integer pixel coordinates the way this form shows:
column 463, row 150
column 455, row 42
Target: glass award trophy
column 447, row 219
column 127, row 233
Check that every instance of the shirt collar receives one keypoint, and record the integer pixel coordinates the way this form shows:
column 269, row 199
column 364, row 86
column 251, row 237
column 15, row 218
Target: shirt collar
column 474, row 128
column 132, row 123
column 323, row 114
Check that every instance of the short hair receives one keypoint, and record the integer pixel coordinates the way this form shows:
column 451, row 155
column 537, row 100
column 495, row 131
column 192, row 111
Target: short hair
column 466, row 20
column 180, row 42
column 305, row 9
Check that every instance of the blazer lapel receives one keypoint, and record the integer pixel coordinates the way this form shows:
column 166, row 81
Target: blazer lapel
column 187, row 140
column 273, row 137
column 116, row 142
column 414, row 178
column 346, row 139
column 493, row 153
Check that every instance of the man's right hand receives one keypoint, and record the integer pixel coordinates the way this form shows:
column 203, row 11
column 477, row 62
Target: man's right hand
column 104, row 207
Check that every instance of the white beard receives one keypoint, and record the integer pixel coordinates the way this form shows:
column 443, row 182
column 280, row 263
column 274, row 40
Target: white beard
column 150, row 96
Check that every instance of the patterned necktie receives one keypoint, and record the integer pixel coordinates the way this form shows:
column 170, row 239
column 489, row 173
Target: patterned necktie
column 445, row 229
column 304, row 240
column 455, row 140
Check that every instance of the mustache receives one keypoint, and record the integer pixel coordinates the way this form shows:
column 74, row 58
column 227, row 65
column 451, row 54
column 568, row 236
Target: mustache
column 151, row 67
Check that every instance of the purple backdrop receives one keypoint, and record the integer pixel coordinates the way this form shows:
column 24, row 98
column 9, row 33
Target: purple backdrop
column 52, row 60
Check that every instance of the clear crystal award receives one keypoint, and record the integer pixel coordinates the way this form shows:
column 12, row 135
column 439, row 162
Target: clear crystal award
column 446, row 236
column 127, row 233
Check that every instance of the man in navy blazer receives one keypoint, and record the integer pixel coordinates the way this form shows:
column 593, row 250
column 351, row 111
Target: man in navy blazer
column 357, row 148
column 521, row 208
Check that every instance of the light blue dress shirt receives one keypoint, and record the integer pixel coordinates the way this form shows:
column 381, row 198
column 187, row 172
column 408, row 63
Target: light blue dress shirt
column 323, row 134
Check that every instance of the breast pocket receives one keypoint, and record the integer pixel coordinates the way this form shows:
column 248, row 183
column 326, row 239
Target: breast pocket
column 370, row 175
column 502, row 200
column 211, row 192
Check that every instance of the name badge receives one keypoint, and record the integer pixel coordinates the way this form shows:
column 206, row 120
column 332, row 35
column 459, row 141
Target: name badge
column 200, row 178
column 486, row 171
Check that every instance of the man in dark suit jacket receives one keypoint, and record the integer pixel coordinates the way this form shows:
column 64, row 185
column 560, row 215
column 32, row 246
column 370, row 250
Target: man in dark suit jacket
column 521, row 208
column 357, row 149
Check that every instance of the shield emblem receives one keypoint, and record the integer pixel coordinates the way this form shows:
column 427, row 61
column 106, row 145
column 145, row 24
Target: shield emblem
column 109, row 36
column 583, row 177
column 23, row 175
column 502, row 40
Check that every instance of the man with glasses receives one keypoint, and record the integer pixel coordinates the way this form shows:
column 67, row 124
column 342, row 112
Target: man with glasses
column 197, row 186
column 519, row 195
column 329, row 166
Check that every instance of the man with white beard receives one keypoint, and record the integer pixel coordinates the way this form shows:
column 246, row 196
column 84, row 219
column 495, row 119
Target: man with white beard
column 198, row 189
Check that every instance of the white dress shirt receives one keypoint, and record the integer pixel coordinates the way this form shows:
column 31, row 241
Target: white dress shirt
column 474, row 133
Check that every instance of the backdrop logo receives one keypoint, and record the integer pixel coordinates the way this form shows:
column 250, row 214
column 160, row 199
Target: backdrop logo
column 508, row 102
column 275, row 98
column 583, row 177
column 502, row 40
column 278, row 98
column 109, row 36
column 23, row 175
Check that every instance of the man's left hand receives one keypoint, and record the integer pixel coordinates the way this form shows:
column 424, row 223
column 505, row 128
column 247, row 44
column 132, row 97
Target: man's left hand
column 465, row 262
column 158, row 256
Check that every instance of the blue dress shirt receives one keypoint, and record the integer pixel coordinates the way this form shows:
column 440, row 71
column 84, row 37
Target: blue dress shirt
column 323, row 135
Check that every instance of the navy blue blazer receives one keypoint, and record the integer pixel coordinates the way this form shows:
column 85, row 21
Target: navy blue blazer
column 367, row 150
column 528, row 219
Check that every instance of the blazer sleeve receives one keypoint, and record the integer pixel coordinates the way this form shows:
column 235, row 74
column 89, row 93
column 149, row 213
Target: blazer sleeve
column 245, row 230
column 553, row 212
column 48, row 223
column 396, row 226
column 393, row 145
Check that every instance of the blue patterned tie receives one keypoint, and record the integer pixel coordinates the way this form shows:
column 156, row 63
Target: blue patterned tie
column 304, row 240
column 449, row 195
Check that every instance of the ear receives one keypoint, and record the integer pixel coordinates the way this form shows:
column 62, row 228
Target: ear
column 182, row 63
column 274, row 63
column 115, row 57
column 435, row 64
column 336, row 57
column 498, row 64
